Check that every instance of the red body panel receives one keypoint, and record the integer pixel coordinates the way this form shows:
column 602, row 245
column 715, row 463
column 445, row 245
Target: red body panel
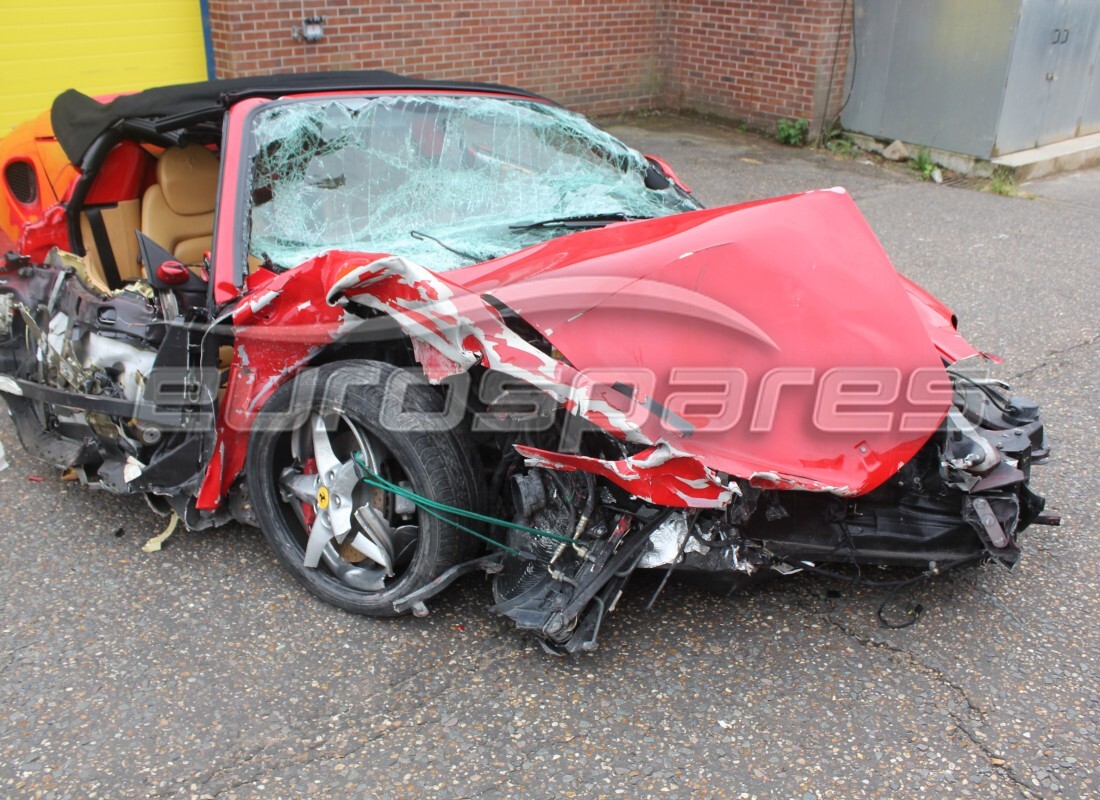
column 278, row 330
column 779, row 297
column 37, row 238
column 797, row 284
column 939, row 322
column 124, row 175
column 230, row 219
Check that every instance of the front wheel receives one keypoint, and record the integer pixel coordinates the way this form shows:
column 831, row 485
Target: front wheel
column 352, row 545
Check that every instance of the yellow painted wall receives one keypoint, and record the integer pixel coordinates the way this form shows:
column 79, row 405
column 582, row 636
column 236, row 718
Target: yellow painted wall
column 96, row 46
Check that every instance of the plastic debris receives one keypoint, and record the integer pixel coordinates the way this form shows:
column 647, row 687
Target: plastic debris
column 3, row 459
column 132, row 470
column 154, row 544
column 35, row 478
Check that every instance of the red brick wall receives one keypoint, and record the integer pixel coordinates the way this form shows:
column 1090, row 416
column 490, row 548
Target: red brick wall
column 745, row 59
column 598, row 56
column 758, row 61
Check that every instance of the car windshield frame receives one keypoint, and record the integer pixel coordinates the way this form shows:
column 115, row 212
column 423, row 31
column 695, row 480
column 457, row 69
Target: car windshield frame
column 459, row 165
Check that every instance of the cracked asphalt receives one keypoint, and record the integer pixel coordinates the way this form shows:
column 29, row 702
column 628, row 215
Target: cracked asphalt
column 204, row 671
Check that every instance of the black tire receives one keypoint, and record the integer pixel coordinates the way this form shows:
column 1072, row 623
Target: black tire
column 440, row 464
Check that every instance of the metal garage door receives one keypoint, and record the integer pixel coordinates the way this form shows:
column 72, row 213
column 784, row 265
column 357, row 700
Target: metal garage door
column 1054, row 58
column 96, row 46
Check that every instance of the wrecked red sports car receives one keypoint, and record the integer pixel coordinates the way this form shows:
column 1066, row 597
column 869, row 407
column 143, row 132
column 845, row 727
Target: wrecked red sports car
column 414, row 329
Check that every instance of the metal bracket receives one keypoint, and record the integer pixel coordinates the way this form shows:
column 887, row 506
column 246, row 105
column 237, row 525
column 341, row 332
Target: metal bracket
column 989, row 521
column 414, row 601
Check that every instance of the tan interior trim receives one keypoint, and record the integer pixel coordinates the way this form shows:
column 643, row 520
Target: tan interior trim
column 177, row 212
column 121, row 221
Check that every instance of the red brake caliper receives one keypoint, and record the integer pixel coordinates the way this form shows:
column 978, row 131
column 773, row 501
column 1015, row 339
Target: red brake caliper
column 309, row 514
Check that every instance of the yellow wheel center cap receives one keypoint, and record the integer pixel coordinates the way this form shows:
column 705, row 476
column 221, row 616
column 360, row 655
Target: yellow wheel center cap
column 322, row 497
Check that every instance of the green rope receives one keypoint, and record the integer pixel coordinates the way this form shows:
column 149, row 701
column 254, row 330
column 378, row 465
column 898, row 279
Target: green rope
column 461, row 527
column 439, row 510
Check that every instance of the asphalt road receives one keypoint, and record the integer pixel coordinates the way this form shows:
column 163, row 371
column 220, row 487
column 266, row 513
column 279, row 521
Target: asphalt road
column 204, row 671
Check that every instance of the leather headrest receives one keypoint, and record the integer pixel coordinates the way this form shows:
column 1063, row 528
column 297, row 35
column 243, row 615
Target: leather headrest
column 188, row 178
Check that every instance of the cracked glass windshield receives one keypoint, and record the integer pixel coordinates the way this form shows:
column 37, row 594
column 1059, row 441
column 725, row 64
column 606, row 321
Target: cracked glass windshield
column 444, row 181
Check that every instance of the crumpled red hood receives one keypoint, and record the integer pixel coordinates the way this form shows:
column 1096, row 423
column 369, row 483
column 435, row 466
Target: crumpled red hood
column 750, row 329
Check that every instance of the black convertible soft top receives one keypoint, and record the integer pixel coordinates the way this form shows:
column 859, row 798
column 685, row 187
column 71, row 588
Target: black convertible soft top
column 78, row 120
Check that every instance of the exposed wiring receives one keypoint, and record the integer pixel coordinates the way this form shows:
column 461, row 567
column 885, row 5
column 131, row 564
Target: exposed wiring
column 912, row 613
column 855, row 64
column 994, row 398
column 915, row 610
column 859, row 580
column 847, row 531
column 832, row 79
column 569, row 495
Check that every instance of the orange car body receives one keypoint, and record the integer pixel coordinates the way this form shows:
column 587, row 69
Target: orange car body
column 33, row 144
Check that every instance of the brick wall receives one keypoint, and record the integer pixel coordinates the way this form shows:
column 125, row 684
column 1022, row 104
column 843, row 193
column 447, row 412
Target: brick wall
column 599, row 56
column 758, row 61
column 744, row 59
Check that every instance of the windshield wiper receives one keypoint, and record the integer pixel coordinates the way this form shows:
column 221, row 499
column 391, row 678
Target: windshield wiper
column 581, row 221
column 422, row 236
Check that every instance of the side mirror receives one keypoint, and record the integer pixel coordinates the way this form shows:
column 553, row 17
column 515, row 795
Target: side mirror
column 164, row 271
column 666, row 174
column 173, row 273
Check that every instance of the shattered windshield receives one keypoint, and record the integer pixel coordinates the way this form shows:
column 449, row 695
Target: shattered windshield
column 444, row 181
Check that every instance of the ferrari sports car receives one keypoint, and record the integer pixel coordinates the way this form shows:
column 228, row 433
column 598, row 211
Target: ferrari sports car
column 413, row 329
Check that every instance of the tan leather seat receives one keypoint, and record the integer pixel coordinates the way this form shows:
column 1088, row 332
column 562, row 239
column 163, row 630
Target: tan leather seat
column 120, row 221
column 177, row 212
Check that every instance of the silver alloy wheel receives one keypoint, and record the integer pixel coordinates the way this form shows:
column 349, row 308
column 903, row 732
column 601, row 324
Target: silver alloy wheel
column 350, row 525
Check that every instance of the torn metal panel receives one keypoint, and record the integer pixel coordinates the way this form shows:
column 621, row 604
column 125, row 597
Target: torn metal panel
column 278, row 329
column 689, row 545
column 731, row 261
column 772, row 287
column 457, row 329
column 775, row 480
column 657, row 475
column 666, row 543
column 939, row 322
